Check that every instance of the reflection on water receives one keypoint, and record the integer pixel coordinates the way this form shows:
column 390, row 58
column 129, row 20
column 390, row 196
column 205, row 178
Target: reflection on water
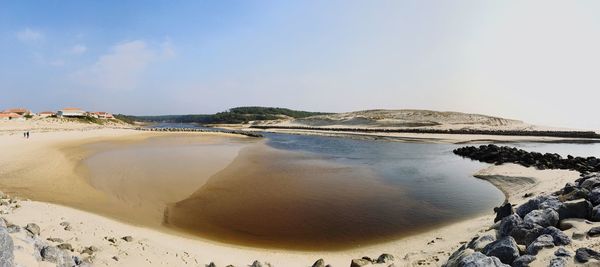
column 321, row 193
column 302, row 192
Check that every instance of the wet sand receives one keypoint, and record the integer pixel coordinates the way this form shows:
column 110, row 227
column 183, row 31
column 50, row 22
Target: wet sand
column 150, row 174
column 55, row 172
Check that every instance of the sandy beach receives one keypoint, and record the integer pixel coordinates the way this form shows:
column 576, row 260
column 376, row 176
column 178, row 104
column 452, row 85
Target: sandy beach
column 44, row 169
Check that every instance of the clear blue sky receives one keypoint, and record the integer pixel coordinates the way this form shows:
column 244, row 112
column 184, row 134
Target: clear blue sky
column 538, row 61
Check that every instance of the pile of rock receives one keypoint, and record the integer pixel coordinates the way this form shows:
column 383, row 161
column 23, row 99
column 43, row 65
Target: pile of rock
column 521, row 233
column 215, row 130
column 26, row 241
column 504, row 154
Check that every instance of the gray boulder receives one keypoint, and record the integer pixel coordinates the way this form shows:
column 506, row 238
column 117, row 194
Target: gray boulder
column 508, row 224
column 539, row 202
column 562, row 252
column 551, row 202
column 595, row 216
column 384, row 258
column 319, row 263
column 479, row 242
column 543, row 241
column 6, row 248
column 523, row 261
column 594, row 231
column 594, row 196
column 579, row 208
column 13, row 228
column 575, row 193
column 560, row 238
column 478, row 259
column 591, row 183
column 504, row 249
column 526, row 233
column 558, row 262
column 359, row 262
column 543, row 218
column 62, row 258
column 456, row 258
column 33, row 228
column 586, row 254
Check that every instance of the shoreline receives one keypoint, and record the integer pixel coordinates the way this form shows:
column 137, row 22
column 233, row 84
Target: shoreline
column 432, row 247
column 430, row 138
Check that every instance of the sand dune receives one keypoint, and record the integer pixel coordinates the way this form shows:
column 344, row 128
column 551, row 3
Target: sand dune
column 408, row 118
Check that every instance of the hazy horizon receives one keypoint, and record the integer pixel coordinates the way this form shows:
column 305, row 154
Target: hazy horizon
column 535, row 61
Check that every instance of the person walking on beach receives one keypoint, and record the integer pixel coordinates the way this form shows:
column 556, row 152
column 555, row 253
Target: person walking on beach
column 27, row 134
column 24, row 134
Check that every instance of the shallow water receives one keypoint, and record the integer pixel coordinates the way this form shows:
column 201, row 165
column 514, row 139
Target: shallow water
column 296, row 192
column 147, row 175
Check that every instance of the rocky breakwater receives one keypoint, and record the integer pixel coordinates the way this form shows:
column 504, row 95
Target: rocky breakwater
column 245, row 133
column 556, row 229
column 503, row 154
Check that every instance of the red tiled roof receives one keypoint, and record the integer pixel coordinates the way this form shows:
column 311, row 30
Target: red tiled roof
column 9, row 115
column 16, row 110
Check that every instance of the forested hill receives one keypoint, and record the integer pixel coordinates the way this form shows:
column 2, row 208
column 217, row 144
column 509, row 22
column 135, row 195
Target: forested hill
column 234, row 115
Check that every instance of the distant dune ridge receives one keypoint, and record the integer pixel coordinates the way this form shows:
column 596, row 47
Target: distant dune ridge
column 405, row 118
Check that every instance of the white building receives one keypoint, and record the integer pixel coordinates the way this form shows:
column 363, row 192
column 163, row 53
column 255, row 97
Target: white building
column 71, row 112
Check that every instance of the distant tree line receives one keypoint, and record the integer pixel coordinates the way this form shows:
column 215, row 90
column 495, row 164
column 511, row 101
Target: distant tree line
column 234, row 115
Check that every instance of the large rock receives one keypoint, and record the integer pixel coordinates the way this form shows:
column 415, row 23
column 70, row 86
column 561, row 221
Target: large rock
column 594, row 231
column 384, row 258
column 543, row 241
column 580, row 208
column 319, row 263
column 558, row 262
column 456, row 258
column 560, row 238
column 594, row 196
column 539, row 202
column 504, row 249
column 6, row 248
column 61, row 258
column 359, row 262
column 505, row 210
column 575, row 193
column 586, row 254
column 595, row 216
column 479, row 242
column 562, row 252
column 591, row 183
column 33, row 229
column 543, row 218
column 478, row 259
column 508, row 224
column 526, row 233
column 523, row 261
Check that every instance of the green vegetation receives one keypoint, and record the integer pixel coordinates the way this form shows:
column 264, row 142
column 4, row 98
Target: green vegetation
column 125, row 118
column 234, row 115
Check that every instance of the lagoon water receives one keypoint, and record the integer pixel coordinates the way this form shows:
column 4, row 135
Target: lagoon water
column 293, row 191
column 296, row 191
column 327, row 193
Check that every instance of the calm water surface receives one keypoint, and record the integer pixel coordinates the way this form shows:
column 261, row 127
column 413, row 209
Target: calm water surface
column 312, row 192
